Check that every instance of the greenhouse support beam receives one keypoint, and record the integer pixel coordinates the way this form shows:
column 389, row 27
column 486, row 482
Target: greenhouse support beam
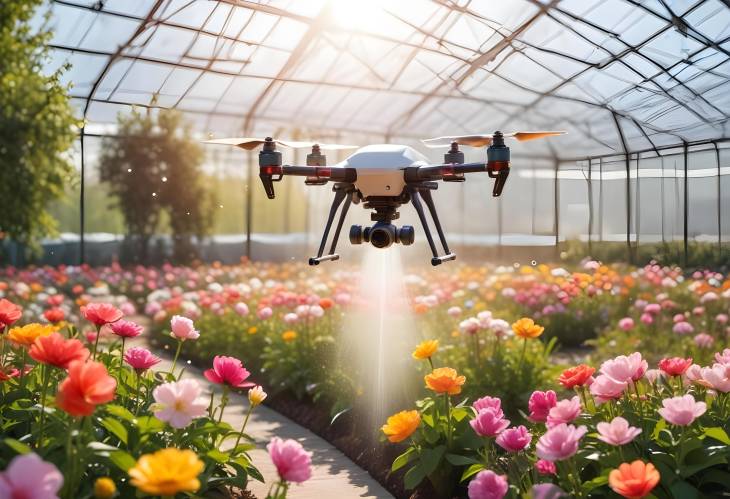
column 249, row 201
column 686, row 206
column 82, row 204
column 719, row 203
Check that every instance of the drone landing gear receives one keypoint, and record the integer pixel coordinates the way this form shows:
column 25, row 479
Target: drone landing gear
column 425, row 193
column 343, row 192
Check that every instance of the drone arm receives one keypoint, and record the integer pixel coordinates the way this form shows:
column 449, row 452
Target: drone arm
column 441, row 172
column 274, row 173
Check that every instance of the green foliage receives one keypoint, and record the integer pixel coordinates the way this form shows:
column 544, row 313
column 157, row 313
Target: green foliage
column 36, row 126
column 152, row 169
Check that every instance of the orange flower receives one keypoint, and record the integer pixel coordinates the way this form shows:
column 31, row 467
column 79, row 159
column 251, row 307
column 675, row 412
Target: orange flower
column 420, row 308
column 444, row 380
column 326, row 303
column 26, row 335
column 634, row 480
column 526, row 328
column 57, row 351
column 576, row 376
column 425, row 349
column 289, row 336
column 88, row 384
column 401, row 425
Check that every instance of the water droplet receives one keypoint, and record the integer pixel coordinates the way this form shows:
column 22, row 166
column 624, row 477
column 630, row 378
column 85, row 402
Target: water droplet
column 533, row 263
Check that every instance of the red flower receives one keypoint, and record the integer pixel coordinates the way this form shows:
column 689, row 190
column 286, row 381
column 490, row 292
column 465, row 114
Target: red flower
column 675, row 366
column 101, row 314
column 228, row 371
column 88, row 384
column 7, row 373
column 577, row 376
column 54, row 315
column 326, row 303
column 9, row 313
column 55, row 350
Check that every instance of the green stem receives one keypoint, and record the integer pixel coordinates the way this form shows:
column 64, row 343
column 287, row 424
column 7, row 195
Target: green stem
column 522, row 355
column 448, row 420
column 96, row 342
column 245, row 421
column 136, row 399
column 46, row 379
column 22, row 368
column 177, row 354
column 121, row 358
column 224, row 402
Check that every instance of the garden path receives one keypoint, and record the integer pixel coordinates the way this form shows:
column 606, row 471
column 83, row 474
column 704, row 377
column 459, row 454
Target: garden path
column 334, row 475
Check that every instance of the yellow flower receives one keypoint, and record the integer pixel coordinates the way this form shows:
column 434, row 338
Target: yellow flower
column 256, row 395
column 425, row 349
column 401, row 425
column 526, row 328
column 26, row 335
column 444, row 380
column 167, row 472
column 104, row 488
column 253, row 330
column 289, row 336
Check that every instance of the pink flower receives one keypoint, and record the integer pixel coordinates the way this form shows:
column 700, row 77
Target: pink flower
column 698, row 310
column 241, row 309
column 488, row 485
column 678, row 318
column 715, row 377
column 291, row 318
column 126, row 329
column 29, row 477
column 652, row 375
column 693, row 373
column 626, row 324
column 183, row 328
column 514, row 439
column 140, row 359
column 625, row 368
column 228, row 371
column 647, row 319
column 675, row 366
column 489, row 422
column 682, row 411
column 470, row 325
column 488, row 403
column 560, row 442
column 540, row 404
column 617, row 432
column 545, row 467
column 722, row 319
column 683, row 328
column 704, row 340
column 652, row 308
column 724, row 357
column 605, row 388
column 178, row 403
column 100, row 314
column 454, row 311
column 564, row 411
column 292, row 462
column 264, row 313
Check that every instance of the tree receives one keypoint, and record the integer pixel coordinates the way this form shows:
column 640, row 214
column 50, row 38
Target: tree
column 37, row 127
column 152, row 167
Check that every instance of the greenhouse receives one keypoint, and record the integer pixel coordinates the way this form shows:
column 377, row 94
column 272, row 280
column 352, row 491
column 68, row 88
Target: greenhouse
column 364, row 248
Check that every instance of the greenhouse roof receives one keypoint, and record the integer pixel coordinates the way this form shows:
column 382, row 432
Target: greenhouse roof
column 616, row 74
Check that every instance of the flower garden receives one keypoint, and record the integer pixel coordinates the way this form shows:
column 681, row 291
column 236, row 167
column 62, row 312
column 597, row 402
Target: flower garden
column 595, row 381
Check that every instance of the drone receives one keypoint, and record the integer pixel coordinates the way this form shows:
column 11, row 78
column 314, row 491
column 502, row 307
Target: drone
column 383, row 177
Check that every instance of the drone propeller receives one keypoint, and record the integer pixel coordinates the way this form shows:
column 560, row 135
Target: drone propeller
column 250, row 143
column 486, row 139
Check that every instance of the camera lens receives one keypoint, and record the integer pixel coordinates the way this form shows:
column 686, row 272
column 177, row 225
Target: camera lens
column 380, row 237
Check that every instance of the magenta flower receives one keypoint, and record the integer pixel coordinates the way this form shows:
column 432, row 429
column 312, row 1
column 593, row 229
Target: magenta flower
column 626, row 324
column 29, row 477
column 228, row 371
column 560, row 442
column 514, row 439
column 545, row 467
column 682, row 411
column 183, row 328
column 489, row 422
column 605, row 388
column 488, row 485
column 126, row 329
column 647, row 319
column 683, row 328
column 140, row 359
column 540, row 404
column 486, row 403
column 617, row 432
column 292, row 462
column 564, row 411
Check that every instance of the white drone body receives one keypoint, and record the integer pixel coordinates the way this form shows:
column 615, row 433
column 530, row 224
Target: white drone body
column 383, row 177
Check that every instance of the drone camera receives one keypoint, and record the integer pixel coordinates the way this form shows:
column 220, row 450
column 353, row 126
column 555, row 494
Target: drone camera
column 498, row 158
column 382, row 235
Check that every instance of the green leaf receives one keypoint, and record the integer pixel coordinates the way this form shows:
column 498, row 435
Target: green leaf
column 471, row 471
column 413, row 477
column 683, row 490
column 17, row 446
column 115, row 428
column 718, row 434
column 120, row 412
column 403, row 459
column 218, row 456
column 122, row 460
column 430, row 458
column 661, row 424
column 458, row 460
column 460, row 413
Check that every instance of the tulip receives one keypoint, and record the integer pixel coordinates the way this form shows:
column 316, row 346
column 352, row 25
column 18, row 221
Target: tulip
column 560, row 442
column 617, row 432
column 488, row 485
column 292, row 462
column 682, row 411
